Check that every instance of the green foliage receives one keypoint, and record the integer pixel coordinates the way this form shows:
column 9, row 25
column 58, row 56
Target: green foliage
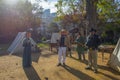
column 16, row 18
column 109, row 17
column 37, row 9
column 109, row 26
column 70, row 6
column 42, row 45
column 70, row 12
column 20, row 13
column 43, row 39
column 108, row 9
column 103, row 35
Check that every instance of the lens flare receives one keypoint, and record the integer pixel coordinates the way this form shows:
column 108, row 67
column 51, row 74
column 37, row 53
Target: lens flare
column 11, row 2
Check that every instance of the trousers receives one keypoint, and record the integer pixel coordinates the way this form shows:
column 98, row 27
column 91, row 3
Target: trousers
column 62, row 54
column 92, row 58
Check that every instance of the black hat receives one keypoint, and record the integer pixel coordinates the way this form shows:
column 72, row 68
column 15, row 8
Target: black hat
column 92, row 30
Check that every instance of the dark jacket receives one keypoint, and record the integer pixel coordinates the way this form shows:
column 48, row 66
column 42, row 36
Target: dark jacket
column 93, row 41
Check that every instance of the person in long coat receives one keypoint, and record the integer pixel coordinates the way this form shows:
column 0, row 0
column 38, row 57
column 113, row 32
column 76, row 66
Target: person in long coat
column 80, row 40
column 27, row 50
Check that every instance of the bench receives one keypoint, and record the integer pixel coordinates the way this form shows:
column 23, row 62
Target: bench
column 106, row 48
column 53, row 45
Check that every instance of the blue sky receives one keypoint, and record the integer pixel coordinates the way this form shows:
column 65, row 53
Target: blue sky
column 48, row 5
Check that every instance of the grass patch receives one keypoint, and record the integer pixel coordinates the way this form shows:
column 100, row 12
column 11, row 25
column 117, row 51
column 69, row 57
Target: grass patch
column 4, row 47
column 43, row 45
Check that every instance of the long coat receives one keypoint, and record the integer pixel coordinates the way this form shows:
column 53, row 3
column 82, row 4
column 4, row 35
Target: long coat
column 27, row 52
column 80, row 44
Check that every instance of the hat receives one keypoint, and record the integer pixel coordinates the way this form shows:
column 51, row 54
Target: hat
column 63, row 30
column 92, row 30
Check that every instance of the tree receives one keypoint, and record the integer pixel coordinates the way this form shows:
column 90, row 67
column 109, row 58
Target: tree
column 108, row 10
column 14, row 19
column 53, row 27
column 91, row 8
column 103, row 15
column 108, row 17
column 70, row 12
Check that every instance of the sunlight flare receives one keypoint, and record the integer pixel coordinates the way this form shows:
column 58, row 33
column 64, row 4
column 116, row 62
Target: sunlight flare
column 11, row 2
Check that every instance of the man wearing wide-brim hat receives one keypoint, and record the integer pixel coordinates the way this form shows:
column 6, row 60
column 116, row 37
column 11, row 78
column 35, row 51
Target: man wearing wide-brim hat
column 92, row 43
column 63, row 43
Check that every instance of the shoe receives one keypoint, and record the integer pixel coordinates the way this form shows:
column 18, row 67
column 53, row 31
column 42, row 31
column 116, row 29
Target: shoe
column 88, row 68
column 64, row 64
column 59, row 64
column 79, row 59
column 84, row 59
column 95, row 71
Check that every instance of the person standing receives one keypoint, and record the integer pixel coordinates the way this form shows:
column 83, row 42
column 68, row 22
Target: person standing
column 92, row 43
column 27, row 50
column 80, row 40
column 63, row 43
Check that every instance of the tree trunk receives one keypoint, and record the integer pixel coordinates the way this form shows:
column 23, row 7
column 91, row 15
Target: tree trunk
column 91, row 9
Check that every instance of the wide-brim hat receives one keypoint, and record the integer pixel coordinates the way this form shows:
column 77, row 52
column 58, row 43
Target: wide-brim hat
column 92, row 30
column 64, row 31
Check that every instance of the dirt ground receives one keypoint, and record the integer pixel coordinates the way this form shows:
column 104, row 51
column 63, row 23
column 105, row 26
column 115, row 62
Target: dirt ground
column 44, row 68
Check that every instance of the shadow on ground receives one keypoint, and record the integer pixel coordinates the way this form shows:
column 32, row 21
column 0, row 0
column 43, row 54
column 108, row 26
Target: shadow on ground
column 31, row 73
column 107, row 68
column 78, row 74
column 83, row 61
column 35, row 56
